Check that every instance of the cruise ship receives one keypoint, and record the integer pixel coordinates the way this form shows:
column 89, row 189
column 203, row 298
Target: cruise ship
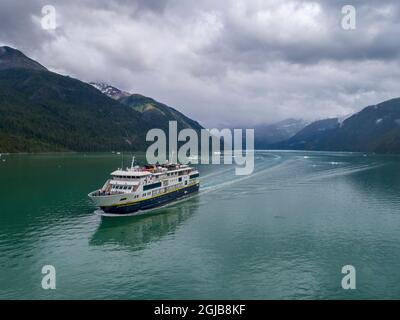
column 136, row 189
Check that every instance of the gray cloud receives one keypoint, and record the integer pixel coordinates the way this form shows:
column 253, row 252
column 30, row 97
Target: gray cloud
column 226, row 62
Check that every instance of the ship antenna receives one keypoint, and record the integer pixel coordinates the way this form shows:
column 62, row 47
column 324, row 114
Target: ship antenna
column 133, row 161
column 122, row 161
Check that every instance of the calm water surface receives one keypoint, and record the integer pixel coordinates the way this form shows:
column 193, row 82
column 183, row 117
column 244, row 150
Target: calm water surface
column 282, row 233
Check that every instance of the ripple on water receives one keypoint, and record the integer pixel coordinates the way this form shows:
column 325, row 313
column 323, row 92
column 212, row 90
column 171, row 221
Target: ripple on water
column 283, row 232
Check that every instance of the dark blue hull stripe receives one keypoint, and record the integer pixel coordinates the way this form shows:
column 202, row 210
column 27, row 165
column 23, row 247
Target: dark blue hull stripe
column 153, row 202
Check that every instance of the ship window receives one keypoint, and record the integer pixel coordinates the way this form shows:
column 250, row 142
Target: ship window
column 185, row 183
column 152, row 186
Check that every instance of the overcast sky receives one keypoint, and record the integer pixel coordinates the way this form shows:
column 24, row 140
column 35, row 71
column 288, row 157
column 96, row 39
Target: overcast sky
column 224, row 63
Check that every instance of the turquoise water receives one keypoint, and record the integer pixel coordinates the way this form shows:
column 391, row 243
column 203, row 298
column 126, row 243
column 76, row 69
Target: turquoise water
column 282, row 233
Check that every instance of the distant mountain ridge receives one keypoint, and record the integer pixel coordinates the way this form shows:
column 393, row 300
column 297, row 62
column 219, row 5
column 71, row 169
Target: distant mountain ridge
column 376, row 128
column 265, row 135
column 44, row 111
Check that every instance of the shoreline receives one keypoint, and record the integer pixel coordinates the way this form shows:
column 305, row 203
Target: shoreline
column 253, row 150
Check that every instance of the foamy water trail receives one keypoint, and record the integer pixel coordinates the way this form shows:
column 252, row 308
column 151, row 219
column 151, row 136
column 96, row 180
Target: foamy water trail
column 217, row 173
column 341, row 172
column 243, row 178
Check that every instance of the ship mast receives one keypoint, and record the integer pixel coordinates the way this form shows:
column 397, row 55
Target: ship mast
column 133, row 162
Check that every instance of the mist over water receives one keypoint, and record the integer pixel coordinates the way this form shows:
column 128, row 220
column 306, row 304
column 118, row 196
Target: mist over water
column 283, row 232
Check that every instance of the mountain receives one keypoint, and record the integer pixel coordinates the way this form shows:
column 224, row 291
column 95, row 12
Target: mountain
column 265, row 135
column 374, row 129
column 157, row 112
column 110, row 91
column 11, row 58
column 309, row 135
column 44, row 111
column 151, row 110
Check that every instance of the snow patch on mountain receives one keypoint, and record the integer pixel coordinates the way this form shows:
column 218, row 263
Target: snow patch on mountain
column 110, row 91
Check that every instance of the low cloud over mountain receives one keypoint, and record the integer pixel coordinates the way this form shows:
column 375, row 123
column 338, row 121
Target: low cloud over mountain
column 224, row 63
